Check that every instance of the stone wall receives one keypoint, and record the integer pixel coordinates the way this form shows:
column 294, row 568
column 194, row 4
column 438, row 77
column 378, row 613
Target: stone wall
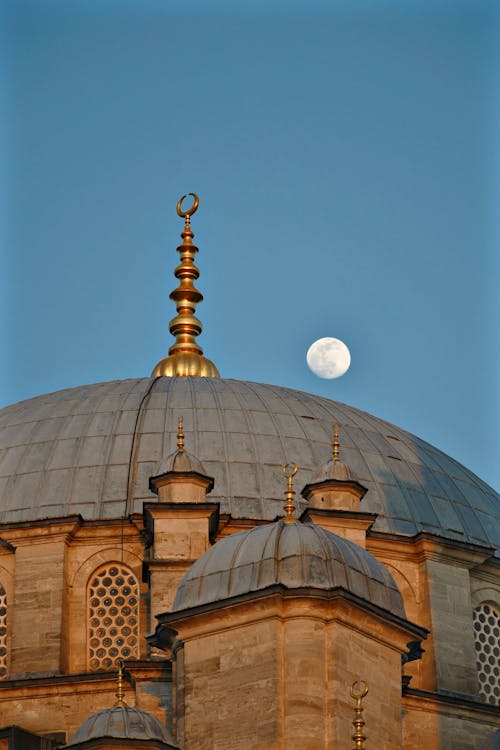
column 45, row 572
column 434, row 722
column 276, row 672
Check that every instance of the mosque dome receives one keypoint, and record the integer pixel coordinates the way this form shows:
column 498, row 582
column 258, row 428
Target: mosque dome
column 92, row 449
column 293, row 555
column 121, row 722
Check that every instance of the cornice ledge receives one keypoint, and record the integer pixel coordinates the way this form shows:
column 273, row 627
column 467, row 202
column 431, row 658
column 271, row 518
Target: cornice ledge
column 428, row 546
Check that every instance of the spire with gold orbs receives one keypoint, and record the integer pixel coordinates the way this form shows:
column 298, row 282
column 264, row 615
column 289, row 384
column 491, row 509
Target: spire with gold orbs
column 185, row 356
column 120, row 695
column 289, row 472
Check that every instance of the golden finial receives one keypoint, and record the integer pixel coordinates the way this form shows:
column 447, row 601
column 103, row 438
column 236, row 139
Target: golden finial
column 180, row 434
column 185, row 355
column 336, row 444
column 119, row 686
column 358, row 693
column 289, row 472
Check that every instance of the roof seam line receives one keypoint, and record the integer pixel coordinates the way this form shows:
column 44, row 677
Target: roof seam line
column 134, row 448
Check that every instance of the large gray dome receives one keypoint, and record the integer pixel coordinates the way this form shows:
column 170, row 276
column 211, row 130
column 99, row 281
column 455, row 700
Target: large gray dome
column 293, row 555
column 92, row 449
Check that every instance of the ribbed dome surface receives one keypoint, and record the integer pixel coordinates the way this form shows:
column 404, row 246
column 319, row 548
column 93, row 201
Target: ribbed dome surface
column 297, row 555
column 70, row 452
column 121, row 722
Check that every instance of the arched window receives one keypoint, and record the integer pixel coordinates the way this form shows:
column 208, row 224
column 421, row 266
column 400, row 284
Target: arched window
column 486, row 620
column 113, row 616
column 3, row 633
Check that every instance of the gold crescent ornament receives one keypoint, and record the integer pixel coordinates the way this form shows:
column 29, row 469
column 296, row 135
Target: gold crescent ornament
column 185, row 214
column 361, row 692
column 289, row 470
column 358, row 691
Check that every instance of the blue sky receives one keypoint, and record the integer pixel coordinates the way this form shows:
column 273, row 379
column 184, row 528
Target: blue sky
column 344, row 155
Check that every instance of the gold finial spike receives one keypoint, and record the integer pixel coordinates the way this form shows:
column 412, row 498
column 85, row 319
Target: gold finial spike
column 185, row 354
column 180, row 434
column 358, row 693
column 119, row 686
column 289, row 471
column 336, row 443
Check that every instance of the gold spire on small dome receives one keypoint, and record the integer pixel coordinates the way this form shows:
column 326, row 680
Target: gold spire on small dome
column 180, row 462
column 334, row 469
column 336, row 444
column 185, row 356
column 120, row 703
column 180, row 434
column 289, row 472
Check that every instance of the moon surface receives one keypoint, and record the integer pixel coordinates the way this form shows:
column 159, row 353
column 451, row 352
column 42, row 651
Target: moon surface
column 328, row 358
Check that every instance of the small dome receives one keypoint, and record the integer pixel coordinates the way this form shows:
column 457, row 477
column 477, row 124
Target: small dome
column 182, row 462
column 296, row 555
column 336, row 470
column 121, row 722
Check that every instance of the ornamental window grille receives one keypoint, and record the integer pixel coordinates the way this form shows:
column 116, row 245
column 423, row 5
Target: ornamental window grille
column 113, row 616
column 486, row 618
column 3, row 633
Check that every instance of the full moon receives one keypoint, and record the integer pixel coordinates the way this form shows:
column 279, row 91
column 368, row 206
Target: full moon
column 328, row 358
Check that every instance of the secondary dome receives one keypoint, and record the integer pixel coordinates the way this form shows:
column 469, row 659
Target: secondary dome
column 294, row 555
column 92, row 449
column 121, row 722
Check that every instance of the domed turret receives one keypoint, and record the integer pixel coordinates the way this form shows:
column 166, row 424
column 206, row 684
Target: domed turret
column 267, row 614
column 334, row 469
column 333, row 498
column 293, row 555
column 332, row 485
column 178, row 468
column 121, row 722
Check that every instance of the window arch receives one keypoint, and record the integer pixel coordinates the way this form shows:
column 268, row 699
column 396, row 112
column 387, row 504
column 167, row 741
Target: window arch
column 3, row 634
column 113, row 616
column 486, row 618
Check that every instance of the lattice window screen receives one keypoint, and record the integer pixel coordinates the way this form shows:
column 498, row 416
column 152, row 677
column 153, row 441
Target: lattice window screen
column 3, row 633
column 113, row 616
column 487, row 640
